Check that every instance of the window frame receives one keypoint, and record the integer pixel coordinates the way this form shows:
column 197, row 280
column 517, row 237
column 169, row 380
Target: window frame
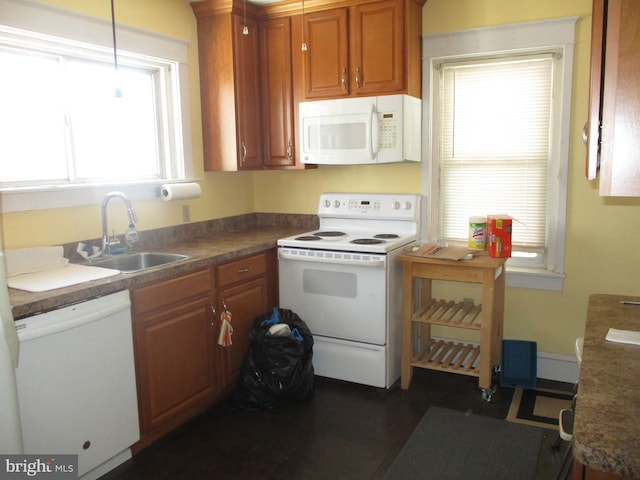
column 530, row 36
column 73, row 31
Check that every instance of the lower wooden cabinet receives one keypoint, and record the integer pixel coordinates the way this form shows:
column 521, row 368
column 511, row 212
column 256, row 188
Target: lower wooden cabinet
column 180, row 367
column 582, row 472
column 177, row 368
column 244, row 287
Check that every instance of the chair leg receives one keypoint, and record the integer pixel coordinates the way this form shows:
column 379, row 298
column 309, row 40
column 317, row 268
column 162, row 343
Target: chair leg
column 567, row 460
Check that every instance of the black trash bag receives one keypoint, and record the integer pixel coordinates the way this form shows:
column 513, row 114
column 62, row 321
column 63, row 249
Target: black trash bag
column 277, row 370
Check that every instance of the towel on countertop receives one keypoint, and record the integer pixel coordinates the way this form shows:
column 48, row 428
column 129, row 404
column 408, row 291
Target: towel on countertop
column 623, row 336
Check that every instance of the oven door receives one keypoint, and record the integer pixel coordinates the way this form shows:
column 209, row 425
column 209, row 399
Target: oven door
column 337, row 294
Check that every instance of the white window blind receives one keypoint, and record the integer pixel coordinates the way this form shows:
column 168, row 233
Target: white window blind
column 495, row 146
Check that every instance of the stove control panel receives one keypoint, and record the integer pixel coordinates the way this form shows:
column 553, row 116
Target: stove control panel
column 373, row 205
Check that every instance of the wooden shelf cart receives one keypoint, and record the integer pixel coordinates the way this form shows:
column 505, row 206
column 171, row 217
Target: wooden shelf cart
column 420, row 311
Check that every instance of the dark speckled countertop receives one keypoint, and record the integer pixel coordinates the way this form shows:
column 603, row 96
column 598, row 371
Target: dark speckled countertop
column 206, row 243
column 607, row 427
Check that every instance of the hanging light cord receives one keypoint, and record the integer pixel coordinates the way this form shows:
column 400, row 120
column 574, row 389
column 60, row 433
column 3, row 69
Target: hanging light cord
column 113, row 31
column 304, row 43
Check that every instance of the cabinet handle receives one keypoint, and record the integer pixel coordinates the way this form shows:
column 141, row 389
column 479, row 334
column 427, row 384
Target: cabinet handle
column 344, row 78
column 244, row 152
column 358, row 78
column 243, row 270
column 289, row 150
column 213, row 310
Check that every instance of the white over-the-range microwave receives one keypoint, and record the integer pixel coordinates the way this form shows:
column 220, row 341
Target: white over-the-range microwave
column 358, row 131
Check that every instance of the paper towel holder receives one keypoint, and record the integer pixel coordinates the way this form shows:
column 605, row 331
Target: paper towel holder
column 179, row 191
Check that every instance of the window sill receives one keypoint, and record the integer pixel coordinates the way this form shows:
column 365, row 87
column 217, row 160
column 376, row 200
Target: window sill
column 65, row 196
column 536, row 278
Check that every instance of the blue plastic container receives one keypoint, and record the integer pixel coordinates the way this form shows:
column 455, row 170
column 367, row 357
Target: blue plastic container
column 519, row 364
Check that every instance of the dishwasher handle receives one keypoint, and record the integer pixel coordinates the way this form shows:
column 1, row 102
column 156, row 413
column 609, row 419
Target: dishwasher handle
column 73, row 316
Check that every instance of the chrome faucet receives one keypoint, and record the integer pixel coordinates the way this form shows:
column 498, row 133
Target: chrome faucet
column 106, row 243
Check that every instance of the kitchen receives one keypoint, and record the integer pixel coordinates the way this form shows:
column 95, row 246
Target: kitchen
column 601, row 245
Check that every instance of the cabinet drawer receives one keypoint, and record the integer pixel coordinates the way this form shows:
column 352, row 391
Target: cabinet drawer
column 241, row 270
column 171, row 291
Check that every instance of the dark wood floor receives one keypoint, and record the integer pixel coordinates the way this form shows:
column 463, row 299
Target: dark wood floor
column 344, row 432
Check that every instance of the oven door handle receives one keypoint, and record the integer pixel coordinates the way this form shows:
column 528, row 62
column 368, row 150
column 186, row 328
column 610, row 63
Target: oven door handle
column 335, row 258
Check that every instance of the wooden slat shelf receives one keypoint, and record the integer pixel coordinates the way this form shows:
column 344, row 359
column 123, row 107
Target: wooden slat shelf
column 451, row 314
column 450, row 357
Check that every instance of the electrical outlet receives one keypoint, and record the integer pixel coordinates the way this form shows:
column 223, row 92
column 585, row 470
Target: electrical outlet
column 186, row 215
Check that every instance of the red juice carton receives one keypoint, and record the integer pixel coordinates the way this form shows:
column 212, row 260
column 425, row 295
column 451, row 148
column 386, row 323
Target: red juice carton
column 499, row 235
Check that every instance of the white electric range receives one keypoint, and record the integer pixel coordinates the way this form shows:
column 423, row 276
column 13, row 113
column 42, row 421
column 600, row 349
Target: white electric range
column 345, row 283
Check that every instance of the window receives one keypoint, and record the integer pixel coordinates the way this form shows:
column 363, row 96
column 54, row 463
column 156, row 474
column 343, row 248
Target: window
column 70, row 120
column 499, row 121
column 85, row 133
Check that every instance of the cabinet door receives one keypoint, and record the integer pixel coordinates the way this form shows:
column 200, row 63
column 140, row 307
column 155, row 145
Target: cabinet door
column 620, row 142
column 326, row 62
column 174, row 351
column 377, row 58
column 595, row 89
column 277, row 92
column 245, row 302
column 247, row 82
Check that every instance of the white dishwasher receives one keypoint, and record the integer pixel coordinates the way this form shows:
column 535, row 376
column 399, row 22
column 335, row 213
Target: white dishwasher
column 76, row 383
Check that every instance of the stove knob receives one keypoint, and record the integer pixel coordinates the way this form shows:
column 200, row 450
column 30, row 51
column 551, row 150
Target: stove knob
column 327, row 203
column 336, row 204
column 396, row 205
column 407, row 205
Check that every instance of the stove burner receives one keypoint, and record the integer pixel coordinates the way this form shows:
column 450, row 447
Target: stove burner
column 330, row 234
column 386, row 236
column 308, row 238
column 366, row 241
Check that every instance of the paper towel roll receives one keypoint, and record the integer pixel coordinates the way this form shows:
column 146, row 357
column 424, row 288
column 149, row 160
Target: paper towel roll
column 179, row 191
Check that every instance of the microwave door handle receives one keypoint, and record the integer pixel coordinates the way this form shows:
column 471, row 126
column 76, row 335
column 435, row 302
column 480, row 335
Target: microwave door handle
column 374, row 133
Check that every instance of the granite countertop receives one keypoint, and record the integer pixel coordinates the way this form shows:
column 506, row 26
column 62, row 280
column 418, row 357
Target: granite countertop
column 606, row 430
column 206, row 244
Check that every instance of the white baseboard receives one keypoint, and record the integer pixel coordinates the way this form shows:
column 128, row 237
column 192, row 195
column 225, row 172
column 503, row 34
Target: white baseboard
column 550, row 366
column 562, row 368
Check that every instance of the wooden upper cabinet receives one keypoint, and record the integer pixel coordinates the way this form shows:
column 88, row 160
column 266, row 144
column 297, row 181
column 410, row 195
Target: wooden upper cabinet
column 248, row 106
column 613, row 144
column 230, row 92
column 377, row 49
column 368, row 48
column 326, row 61
column 277, row 93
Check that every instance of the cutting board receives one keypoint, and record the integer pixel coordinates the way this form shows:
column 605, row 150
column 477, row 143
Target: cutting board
column 70, row 274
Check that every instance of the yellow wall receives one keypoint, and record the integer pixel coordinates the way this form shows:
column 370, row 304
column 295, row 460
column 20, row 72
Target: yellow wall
column 602, row 254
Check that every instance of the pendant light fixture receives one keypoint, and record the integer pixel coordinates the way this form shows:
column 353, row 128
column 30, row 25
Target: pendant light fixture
column 118, row 91
column 304, row 44
column 245, row 29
